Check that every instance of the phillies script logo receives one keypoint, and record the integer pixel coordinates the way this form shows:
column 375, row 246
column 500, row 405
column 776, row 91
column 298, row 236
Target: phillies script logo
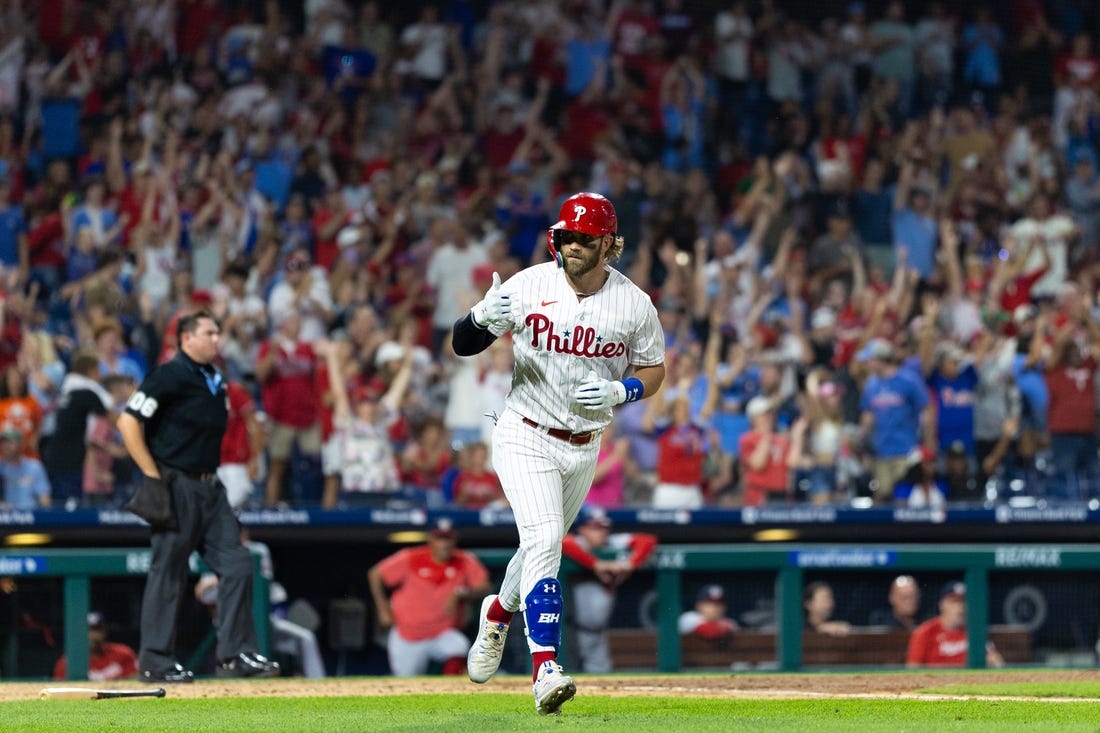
column 581, row 341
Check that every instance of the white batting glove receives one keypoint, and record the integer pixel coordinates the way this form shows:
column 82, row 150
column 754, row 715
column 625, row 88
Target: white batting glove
column 597, row 393
column 495, row 309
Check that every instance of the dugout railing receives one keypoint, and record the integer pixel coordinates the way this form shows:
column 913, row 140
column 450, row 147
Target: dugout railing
column 77, row 567
column 791, row 562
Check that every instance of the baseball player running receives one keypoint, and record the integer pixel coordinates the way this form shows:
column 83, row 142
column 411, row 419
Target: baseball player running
column 576, row 325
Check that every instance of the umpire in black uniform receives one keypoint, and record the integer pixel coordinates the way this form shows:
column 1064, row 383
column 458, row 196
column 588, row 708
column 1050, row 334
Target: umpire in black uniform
column 172, row 428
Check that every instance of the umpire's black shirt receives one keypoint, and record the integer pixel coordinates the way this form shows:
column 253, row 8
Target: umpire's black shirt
column 184, row 407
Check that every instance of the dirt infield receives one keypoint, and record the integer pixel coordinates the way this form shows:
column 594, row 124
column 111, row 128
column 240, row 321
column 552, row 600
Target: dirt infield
column 733, row 686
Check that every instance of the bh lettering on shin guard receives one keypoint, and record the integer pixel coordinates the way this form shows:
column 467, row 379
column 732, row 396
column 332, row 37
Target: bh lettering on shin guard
column 543, row 613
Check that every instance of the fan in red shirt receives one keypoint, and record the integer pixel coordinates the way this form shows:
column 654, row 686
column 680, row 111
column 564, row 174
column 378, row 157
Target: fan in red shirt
column 1079, row 68
column 285, row 367
column 1071, row 417
column 608, row 560
column 681, row 456
column 242, row 445
column 430, row 586
column 764, row 455
column 942, row 641
column 107, row 660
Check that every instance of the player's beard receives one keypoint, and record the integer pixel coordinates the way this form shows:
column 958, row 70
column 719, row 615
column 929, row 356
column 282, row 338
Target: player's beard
column 587, row 261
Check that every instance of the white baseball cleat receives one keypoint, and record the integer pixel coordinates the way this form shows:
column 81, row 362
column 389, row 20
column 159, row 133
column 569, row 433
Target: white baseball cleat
column 552, row 689
column 484, row 658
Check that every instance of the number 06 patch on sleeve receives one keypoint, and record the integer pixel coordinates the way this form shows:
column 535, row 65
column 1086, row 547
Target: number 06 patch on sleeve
column 142, row 404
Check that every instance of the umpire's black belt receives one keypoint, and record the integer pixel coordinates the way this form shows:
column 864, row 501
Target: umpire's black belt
column 196, row 476
column 568, row 437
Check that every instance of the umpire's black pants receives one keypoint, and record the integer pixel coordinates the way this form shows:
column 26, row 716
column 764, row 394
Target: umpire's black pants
column 207, row 524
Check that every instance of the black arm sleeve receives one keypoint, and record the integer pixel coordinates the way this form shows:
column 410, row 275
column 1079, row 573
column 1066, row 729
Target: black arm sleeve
column 468, row 339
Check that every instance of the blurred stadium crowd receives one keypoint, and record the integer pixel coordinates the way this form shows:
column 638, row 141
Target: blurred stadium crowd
column 870, row 231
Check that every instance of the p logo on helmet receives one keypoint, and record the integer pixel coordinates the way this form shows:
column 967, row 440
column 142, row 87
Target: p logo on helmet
column 587, row 213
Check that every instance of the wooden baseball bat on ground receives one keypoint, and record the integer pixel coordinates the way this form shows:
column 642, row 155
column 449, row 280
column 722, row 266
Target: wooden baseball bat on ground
column 86, row 693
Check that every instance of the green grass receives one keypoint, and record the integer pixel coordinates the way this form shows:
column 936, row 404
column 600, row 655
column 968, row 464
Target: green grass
column 1082, row 690
column 515, row 712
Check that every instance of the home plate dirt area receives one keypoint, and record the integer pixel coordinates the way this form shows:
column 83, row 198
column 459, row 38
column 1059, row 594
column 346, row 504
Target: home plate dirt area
column 732, row 686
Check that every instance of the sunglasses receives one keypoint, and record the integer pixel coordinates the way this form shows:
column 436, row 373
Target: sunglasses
column 588, row 241
column 297, row 265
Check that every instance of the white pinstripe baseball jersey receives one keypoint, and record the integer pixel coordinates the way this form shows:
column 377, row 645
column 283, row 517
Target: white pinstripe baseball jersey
column 557, row 339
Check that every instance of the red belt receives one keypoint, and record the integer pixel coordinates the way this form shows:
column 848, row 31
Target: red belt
column 568, row 437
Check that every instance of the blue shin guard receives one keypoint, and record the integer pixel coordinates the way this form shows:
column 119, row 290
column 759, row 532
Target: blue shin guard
column 543, row 613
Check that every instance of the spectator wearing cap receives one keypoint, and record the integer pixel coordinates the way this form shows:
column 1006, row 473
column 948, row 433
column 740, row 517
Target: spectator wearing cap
column 921, row 487
column 904, row 605
column 362, row 451
column 26, row 486
column 285, row 369
column 765, row 456
column 894, row 407
column 822, row 336
column 420, row 595
column 963, row 479
column 953, row 381
column 708, row 619
column 607, row 560
column 942, row 641
column 304, row 290
column 450, row 275
column 107, row 660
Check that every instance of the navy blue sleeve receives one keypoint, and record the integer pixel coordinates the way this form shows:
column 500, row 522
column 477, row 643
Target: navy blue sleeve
column 468, row 339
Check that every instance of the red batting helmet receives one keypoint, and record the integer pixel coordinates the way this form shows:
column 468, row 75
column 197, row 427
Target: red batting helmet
column 588, row 213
